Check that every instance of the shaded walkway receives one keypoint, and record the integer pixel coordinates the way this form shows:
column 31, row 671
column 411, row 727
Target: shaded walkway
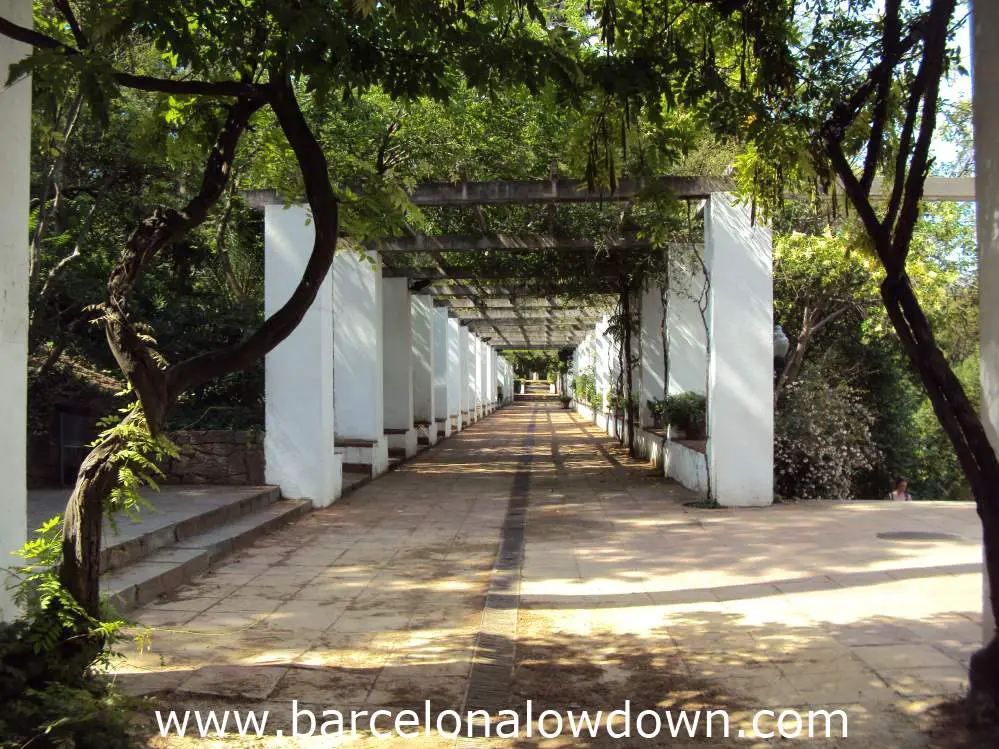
column 605, row 588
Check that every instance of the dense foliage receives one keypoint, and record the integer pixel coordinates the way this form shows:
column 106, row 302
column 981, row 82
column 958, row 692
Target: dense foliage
column 825, row 296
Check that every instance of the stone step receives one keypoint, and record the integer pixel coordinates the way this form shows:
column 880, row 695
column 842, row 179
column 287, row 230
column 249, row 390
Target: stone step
column 162, row 526
column 173, row 565
column 363, row 468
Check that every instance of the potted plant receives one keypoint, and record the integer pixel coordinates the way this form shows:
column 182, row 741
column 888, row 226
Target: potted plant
column 566, row 400
column 686, row 413
column 657, row 407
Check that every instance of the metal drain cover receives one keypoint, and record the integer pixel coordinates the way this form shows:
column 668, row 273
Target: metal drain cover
column 919, row 536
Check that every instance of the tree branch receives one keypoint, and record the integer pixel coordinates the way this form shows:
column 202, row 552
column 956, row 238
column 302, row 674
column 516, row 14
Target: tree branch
column 917, row 91
column 138, row 82
column 325, row 219
column 933, row 58
column 846, row 112
column 879, row 117
column 157, row 231
column 67, row 11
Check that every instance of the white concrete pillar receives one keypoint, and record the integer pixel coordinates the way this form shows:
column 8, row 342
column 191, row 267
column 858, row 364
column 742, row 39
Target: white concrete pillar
column 423, row 368
column 15, row 168
column 605, row 359
column 397, row 321
column 985, row 105
column 357, row 360
column 470, row 367
column 652, row 378
column 687, row 349
column 488, row 385
column 494, row 380
column 501, row 378
column 510, row 377
column 478, row 385
column 484, row 398
column 298, row 374
column 463, row 376
column 454, row 374
column 441, row 421
column 740, row 376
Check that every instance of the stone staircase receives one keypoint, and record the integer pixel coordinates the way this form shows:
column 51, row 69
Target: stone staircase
column 189, row 530
column 536, row 390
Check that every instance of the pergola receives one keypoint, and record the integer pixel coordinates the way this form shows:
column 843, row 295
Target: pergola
column 504, row 308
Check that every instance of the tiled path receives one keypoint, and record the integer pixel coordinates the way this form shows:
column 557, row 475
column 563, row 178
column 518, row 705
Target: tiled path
column 617, row 592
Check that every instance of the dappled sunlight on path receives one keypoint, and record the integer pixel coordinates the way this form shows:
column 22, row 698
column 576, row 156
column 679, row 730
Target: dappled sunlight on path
column 621, row 592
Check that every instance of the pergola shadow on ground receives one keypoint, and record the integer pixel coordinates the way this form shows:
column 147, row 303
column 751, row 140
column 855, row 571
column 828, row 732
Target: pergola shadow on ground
column 530, row 558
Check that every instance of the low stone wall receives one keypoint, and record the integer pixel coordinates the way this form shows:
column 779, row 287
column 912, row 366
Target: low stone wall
column 687, row 465
column 217, row 456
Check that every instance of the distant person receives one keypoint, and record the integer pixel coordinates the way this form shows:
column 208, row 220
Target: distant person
column 901, row 491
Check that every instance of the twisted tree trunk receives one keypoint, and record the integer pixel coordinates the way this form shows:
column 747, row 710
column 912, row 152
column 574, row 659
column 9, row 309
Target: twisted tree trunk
column 891, row 234
column 158, row 388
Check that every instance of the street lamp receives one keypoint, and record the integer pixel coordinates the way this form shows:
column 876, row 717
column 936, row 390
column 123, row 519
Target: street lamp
column 781, row 347
column 781, row 344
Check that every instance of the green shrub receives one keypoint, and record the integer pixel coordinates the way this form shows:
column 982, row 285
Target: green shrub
column 49, row 701
column 51, row 690
column 686, row 411
column 822, row 439
column 657, row 406
column 619, row 402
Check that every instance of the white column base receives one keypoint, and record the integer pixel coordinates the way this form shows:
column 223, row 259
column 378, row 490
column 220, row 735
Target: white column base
column 407, row 441
column 442, row 428
column 363, row 455
column 426, row 434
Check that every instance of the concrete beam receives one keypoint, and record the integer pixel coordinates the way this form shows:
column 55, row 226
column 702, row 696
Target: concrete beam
column 446, row 291
column 508, row 242
column 526, row 345
column 580, row 317
column 507, row 191
column 936, row 189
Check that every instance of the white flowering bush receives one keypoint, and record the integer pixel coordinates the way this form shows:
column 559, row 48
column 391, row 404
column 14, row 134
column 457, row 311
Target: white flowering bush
column 822, row 441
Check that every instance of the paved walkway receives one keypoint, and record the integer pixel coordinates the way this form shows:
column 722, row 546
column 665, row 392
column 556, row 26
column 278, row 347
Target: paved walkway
column 605, row 588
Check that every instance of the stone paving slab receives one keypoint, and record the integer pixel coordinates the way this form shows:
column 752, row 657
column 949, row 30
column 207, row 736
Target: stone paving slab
column 378, row 602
